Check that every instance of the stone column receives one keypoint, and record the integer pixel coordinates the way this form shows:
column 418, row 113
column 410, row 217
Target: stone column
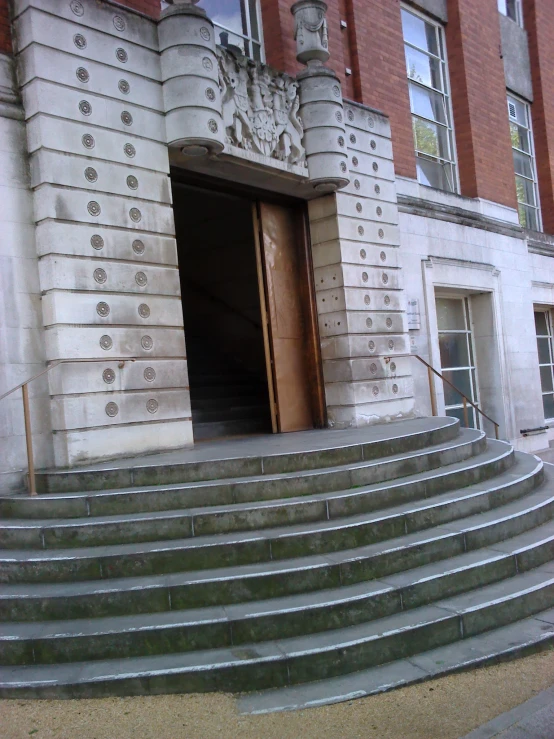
column 91, row 85
column 355, row 239
column 21, row 332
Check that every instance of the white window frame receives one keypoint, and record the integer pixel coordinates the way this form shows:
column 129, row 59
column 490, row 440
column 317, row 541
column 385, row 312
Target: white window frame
column 530, row 154
column 518, row 7
column 550, row 336
column 472, row 366
column 247, row 37
column 445, row 93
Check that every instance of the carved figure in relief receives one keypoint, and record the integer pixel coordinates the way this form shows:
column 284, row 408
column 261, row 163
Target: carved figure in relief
column 260, row 108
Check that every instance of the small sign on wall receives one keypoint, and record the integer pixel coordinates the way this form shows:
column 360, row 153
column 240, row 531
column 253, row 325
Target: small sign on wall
column 414, row 317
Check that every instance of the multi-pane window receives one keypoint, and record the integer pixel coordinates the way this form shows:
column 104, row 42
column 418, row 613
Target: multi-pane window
column 457, row 357
column 524, row 163
column 543, row 326
column 429, row 101
column 237, row 23
column 513, row 9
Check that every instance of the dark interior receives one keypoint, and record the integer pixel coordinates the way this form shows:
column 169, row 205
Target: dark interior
column 221, row 308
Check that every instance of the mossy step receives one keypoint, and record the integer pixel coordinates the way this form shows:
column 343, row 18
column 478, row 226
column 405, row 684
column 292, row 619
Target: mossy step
column 277, row 618
column 528, row 636
column 227, row 585
column 242, row 548
column 294, row 452
column 255, row 488
column 195, row 522
column 296, row 660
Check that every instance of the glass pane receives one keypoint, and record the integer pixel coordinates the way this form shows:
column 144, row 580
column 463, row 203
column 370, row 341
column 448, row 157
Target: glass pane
column 502, row 6
column 541, row 324
column 423, row 68
column 254, row 29
column 460, row 379
column 525, row 191
column 528, row 217
column 511, row 9
column 546, row 379
column 427, row 104
column 459, row 414
column 548, row 405
column 229, row 40
column 520, row 137
column 435, row 174
column 521, row 111
column 523, row 164
column 419, row 33
column 543, row 347
column 450, row 314
column 256, row 52
column 227, row 13
column 453, row 350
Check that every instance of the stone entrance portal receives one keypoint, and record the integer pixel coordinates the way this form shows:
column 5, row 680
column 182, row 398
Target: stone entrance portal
column 249, row 313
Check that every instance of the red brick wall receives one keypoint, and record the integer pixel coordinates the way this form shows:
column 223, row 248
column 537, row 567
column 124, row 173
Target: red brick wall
column 5, row 33
column 539, row 23
column 379, row 71
column 280, row 46
column 479, row 101
column 148, row 7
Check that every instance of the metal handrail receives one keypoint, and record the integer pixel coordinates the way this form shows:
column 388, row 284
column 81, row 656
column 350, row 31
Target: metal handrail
column 27, row 411
column 430, row 371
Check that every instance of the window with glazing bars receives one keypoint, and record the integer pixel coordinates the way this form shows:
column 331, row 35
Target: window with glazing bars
column 457, row 357
column 524, row 163
column 237, row 23
column 429, row 101
column 513, row 9
column 543, row 325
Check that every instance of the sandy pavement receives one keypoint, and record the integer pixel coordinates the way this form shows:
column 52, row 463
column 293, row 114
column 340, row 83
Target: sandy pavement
column 447, row 708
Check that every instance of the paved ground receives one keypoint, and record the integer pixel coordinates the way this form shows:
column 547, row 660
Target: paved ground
column 447, row 708
column 534, row 719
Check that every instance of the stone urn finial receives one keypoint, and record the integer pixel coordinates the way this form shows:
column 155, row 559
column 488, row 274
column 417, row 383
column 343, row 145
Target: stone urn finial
column 312, row 40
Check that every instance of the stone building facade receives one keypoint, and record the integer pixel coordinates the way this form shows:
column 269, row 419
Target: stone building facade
column 214, row 220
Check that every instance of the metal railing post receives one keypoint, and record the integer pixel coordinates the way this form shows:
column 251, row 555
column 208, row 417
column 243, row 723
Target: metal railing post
column 29, row 439
column 466, row 417
column 432, row 392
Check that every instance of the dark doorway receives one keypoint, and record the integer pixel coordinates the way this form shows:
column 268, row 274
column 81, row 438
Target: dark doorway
column 222, row 316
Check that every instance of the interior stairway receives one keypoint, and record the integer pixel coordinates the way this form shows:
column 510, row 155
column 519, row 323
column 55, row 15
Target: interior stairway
column 325, row 566
column 226, row 398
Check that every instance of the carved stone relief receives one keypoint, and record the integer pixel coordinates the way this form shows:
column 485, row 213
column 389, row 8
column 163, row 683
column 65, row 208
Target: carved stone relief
column 260, row 108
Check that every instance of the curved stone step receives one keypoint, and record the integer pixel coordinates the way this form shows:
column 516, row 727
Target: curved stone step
column 255, row 488
column 331, row 537
column 303, row 451
column 505, row 643
column 277, row 618
column 296, row 660
column 156, row 526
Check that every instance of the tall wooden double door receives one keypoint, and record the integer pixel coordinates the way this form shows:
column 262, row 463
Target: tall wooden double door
column 289, row 317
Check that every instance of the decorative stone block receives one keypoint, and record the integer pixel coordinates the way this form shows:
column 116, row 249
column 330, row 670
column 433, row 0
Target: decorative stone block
column 191, row 91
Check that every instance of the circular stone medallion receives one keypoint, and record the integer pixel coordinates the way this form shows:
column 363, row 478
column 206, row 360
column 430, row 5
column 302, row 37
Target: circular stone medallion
column 82, row 74
column 121, row 55
column 129, row 150
column 91, row 174
column 106, row 342
column 147, row 342
column 144, row 310
column 103, row 309
column 141, row 279
column 80, row 41
column 138, row 246
column 132, row 182
column 135, row 215
column 100, row 275
column 88, row 141
column 85, row 107
column 108, row 376
column 151, row 405
column 94, row 208
column 112, row 409
column 119, row 23
column 97, row 242
column 149, row 374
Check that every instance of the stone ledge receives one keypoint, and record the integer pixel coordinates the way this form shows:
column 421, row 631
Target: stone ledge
column 428, row 209
column 540, row 243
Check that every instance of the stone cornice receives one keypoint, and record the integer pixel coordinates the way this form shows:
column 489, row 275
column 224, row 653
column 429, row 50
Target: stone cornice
column 540, row 243
column 428, row 209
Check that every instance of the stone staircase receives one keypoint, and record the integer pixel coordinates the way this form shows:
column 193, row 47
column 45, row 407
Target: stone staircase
column 226, row 398
column 310, row 568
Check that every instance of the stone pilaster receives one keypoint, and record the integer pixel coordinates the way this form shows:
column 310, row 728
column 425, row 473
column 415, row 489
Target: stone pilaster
column 358, row 280
column 91, row 85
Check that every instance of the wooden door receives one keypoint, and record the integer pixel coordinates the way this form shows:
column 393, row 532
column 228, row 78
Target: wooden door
column 292, row 349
